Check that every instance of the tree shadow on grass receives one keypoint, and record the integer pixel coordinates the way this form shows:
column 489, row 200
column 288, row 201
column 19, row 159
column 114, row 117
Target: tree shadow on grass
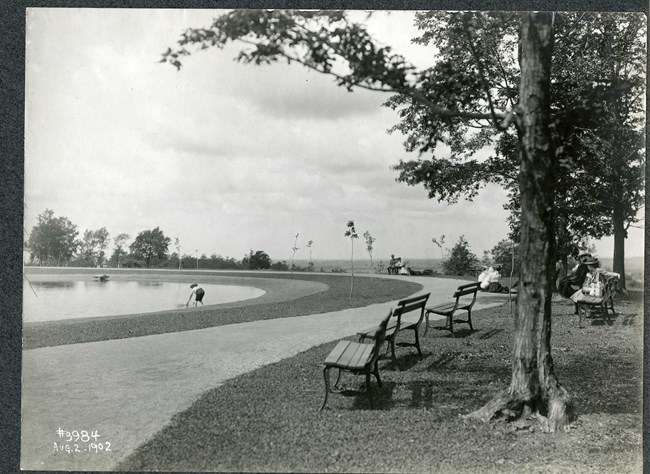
column 402, row 363
column 488, row 334
column 629, row 319
column 445, row 399
column 598, row 319
column 622, row 394
column 443, row 361
column 462, row 333
column 459, row 333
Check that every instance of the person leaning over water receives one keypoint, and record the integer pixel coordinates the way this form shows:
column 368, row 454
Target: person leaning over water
column 197, row 292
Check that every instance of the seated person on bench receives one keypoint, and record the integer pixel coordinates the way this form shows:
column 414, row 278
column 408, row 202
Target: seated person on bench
column 576, row 279
column 395, row 265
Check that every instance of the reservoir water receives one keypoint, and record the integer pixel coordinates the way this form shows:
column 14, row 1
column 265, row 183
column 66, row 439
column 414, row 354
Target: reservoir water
column 56, row 300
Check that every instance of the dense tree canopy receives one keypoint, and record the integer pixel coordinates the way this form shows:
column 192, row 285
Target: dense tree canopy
column 52, row 239
column 119, row 253
column 506, row 253
column 150, row 244
column 258, row 260
column 93, row 246
column 597, row 85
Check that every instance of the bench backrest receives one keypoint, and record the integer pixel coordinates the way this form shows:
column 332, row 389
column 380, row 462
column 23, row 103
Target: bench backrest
column 467, row 289
column 609, row 290
column 411, row 304
column 379, row 339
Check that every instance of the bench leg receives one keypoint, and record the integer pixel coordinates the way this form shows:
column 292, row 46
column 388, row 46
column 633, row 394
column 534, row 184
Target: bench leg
column 451, row 325
column 376, row 374
column 392, row 345
column 604, row 311
column 326, row 375
column 469, row 319
column 611, row 302
column 369, row 390
column 338, row 379
column 426, row 323
column 417, row 341
column 579, row 310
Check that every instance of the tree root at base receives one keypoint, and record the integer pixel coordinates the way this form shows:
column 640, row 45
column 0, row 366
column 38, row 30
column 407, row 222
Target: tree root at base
column 554, row 415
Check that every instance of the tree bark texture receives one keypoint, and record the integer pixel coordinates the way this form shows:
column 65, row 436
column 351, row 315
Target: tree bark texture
column 534, row 388
column 620, row 235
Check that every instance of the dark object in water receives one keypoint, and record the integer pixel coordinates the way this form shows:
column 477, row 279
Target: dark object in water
column 103, row 277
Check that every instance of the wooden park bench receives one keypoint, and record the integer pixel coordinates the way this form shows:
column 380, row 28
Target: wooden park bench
column 461, row 303
column 397, row 324
column 587, row 304
column 357, row 358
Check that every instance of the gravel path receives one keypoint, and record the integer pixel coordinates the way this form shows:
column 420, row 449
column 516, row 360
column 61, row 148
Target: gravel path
column 128, row 389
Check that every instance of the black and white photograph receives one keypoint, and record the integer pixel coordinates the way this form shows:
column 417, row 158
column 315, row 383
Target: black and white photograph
column 301, row 240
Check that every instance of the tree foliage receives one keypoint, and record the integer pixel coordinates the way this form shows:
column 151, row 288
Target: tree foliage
column 119, row 251
column 92, row 247
column 52, row 239
column 351, row 233
column 150, row 244
column 598, row 69
column 505, row 253
column 258, row 260
column 370, row 246
column 461, row 259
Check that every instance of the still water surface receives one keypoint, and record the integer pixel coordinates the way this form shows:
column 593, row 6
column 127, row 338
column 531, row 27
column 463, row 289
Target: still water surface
column 55, row 300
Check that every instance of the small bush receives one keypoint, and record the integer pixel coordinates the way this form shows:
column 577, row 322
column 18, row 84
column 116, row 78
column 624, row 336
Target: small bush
column 461, row 260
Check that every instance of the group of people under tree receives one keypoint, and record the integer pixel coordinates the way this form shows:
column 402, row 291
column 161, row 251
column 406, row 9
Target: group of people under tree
column 585, row 278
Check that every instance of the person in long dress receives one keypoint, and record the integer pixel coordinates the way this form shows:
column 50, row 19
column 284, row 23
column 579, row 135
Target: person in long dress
column 197, row 293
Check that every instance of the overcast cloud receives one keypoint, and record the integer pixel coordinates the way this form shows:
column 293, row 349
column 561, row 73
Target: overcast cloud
column 226, row 157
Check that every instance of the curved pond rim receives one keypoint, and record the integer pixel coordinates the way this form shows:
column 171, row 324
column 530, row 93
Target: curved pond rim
column 275, row 289
column 291, row 295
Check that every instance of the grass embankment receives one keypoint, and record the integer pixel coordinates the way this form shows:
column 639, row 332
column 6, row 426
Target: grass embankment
column 335, row 298
column 268, row 419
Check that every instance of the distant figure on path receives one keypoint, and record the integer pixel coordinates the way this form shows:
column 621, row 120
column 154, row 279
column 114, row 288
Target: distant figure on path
column 197, row 292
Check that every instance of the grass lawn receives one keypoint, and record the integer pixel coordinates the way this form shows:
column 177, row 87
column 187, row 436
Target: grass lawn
column 268, row 419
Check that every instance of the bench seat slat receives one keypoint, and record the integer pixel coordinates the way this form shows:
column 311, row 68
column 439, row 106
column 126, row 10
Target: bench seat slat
column 442, row 308
column 591, row 299
column 350, row 355
column 362, row 356
column 336, row 353
column 353, row 356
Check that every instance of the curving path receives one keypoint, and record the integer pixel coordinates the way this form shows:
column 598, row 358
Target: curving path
column 128, row 389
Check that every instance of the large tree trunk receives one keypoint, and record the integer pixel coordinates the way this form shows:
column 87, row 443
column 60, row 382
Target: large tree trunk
column 619, row 243
column 534, row 389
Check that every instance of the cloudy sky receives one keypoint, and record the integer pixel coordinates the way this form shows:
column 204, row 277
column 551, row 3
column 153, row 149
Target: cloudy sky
column 226, row 157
